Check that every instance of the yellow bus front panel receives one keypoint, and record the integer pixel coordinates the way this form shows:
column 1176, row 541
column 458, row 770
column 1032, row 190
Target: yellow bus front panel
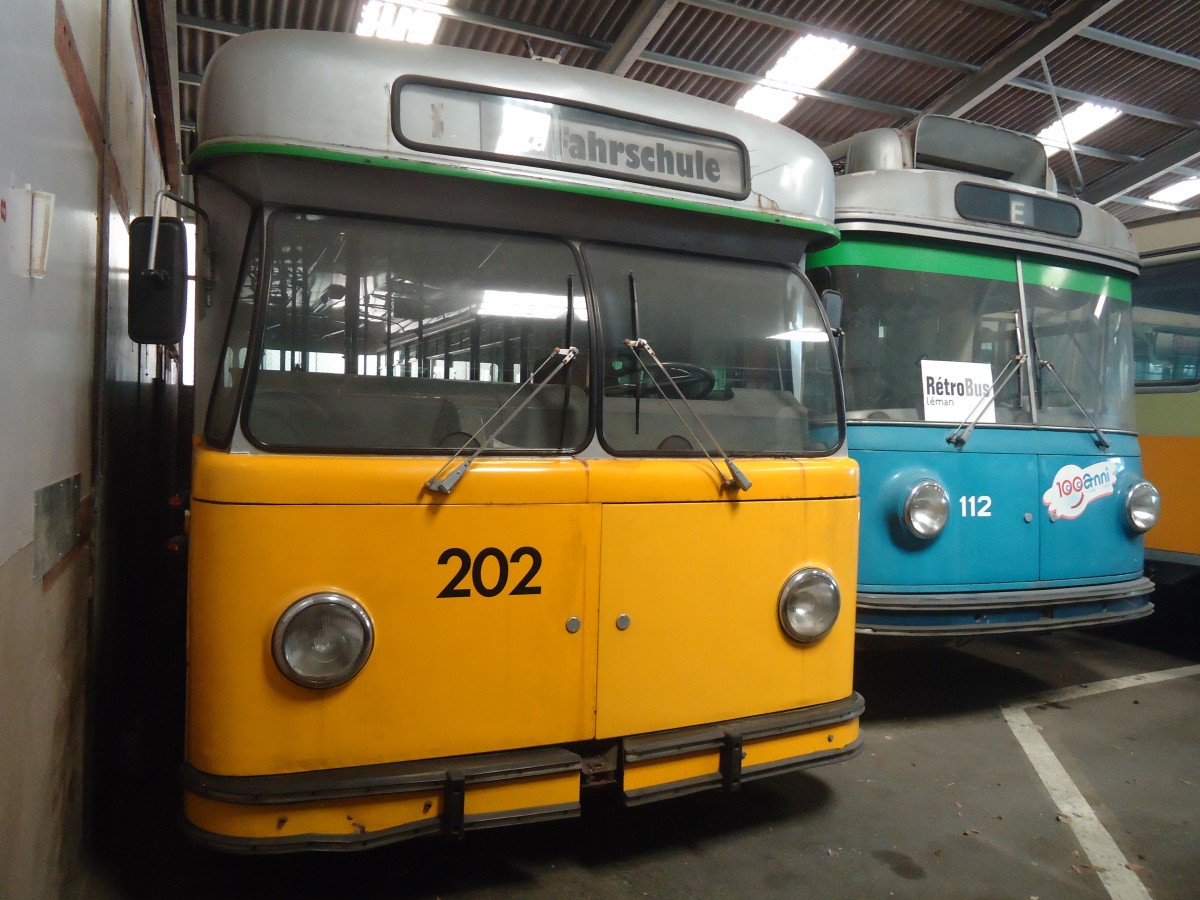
column 639, row 612
column 677, row 580
column 471, row 605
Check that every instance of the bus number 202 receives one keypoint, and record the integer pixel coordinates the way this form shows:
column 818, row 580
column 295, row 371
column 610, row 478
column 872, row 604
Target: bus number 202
column 976, row 507
column 489, row 571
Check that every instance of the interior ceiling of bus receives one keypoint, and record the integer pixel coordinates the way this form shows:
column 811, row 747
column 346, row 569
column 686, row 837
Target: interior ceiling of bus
column 1016, row 65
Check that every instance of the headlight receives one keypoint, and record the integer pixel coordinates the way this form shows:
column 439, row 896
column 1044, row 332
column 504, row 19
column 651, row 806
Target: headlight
column 809, row 605
column 322, row 640
column 926, row 509
column 1142, row 506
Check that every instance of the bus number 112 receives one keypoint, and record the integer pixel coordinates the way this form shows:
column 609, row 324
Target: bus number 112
column 976, row 506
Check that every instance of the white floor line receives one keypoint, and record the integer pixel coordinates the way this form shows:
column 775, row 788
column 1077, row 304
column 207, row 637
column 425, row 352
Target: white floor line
column 1102, row 852
column 1112, row 684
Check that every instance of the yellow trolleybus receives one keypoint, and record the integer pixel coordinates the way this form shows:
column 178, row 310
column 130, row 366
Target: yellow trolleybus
column 1166, row 319
column 519, row 459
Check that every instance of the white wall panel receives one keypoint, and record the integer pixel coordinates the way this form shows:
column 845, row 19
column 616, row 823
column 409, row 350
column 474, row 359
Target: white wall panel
column 47, row 323
column 48, row 335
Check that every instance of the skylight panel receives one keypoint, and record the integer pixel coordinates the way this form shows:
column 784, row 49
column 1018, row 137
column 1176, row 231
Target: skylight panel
column 1178, row 192
column 1076, row 125
column 399, row 21
column 807, row 64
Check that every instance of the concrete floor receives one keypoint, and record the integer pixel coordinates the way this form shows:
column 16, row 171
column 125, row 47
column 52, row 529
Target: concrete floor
column 973, row 784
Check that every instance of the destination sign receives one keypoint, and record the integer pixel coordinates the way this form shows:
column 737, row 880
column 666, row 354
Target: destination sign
column 559, row 136
column 988, row 204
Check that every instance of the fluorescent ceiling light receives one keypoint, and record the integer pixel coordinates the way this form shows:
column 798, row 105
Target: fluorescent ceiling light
column 400, row 21
column 520, row 305
column 1178, row 192
column 1075, row 125
column 807, row 335
column 808, row 62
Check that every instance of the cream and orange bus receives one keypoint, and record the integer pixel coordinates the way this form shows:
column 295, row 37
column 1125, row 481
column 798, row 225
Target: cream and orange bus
column 1166, row 320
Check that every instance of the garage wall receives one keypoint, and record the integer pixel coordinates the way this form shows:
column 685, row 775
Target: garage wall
column 73, row 83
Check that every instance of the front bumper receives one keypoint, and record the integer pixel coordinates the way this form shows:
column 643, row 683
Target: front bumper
column 994, row 612
column 365, row 806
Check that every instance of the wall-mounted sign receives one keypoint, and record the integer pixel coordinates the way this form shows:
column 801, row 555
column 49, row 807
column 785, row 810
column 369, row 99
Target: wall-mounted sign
column 952, row 390
column 548, row 134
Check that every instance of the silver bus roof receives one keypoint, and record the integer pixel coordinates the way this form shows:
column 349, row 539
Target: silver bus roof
column 331, row 94
column 892, row 182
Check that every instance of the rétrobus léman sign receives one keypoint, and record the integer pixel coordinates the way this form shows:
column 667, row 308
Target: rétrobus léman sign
column 554, row 135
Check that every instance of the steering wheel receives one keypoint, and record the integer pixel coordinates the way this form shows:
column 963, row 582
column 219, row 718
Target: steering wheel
column 694, row 382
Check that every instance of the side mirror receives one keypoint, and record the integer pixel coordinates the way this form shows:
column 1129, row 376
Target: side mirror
column 832, row 301
column 158, row 287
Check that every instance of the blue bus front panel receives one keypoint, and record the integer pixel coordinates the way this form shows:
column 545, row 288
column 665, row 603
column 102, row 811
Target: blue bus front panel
column 1036, row 537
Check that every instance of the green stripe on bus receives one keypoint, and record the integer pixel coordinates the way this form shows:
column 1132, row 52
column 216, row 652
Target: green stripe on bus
column 994, row 266
column 204, row 154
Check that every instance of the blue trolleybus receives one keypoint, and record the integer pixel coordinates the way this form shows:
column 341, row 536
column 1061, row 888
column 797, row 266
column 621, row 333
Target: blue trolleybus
column 988, row 367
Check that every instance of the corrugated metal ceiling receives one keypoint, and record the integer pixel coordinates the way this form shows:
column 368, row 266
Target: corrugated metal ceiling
column 980, row 59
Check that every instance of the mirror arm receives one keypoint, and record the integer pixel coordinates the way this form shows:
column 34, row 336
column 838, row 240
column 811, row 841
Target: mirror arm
column 157, row 275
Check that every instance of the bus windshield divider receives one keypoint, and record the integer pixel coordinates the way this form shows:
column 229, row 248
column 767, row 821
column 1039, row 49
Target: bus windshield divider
column 568, row 333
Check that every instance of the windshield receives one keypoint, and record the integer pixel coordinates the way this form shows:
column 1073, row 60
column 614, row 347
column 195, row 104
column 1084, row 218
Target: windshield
column 1087, row 335
column 744, row 342
column 380, row 336
column 928, row 346
column 1166, row 324
column 397, row 336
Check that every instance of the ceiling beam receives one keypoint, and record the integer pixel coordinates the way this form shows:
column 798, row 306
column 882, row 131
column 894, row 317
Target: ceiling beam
column 647, row 19
column 1140, row 47
column 1092, row 34
column 1019, row 56
column 1152, row 204
column 1009, row 9
column 1157, row 163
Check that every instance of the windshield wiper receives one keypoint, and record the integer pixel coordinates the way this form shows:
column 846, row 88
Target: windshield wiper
column 443, row 484
column 1100, row 438
column 636, row 344
column 962, row 433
